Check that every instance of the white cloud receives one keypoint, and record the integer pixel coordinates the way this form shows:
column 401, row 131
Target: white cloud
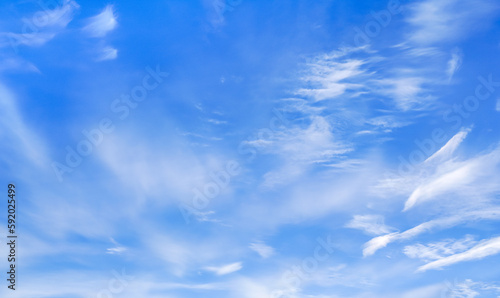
column 226, row 269
column 483, row 249
column 438, row 250
column 387, row 122
column 470, row 289
column 108, row 53
column 445, row 174
column 421, row 51
column 118, row 249
column 348, row 74
column 446, row 152
column 454, row 63
column 378, row 242
column 182, row 256
column 329, row 76
column 115, row 250
column 442, row 184
column 262, row 249
column 370, row 224
column 58, row 17
column 435, row 21
column 42, row 26
column 406, row 90
column 409, row 177
column 101, row 24
column 461, row 290
column 312, row 143
column 462, row 216
column 299, row 146
column 216, row 122
column 462, row 178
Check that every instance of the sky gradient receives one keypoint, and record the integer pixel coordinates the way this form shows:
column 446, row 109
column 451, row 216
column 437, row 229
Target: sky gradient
column 254, row 149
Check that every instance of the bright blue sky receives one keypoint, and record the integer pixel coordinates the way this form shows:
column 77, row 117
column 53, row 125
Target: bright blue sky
column 252, row 148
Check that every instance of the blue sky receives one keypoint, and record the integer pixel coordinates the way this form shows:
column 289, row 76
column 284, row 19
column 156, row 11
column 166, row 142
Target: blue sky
column 252, row 149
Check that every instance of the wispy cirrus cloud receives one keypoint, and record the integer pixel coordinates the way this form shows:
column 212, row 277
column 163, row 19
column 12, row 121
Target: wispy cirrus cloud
column 454, row 63
column 483, row 249
column 436, row 21
column 350, row 114
column 447, row 173
column 469, row 288
column 225, row 269
column 42, row 26
column 333, row 98
column 60, row 16
column 347, row 76
column 461, row 178
column 330, row 77
column 265, row 251
column 407, row 90
column 118, row 249
column 101, row 24
column 370, row 224
column 441, row 249
column 444, row 222
column 300, row 147
column 446, row 152
column 107, row 53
